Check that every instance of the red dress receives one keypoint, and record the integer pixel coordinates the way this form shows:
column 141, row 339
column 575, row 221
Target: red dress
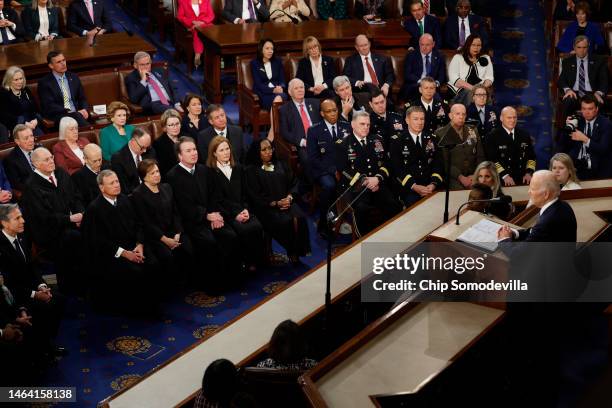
column 187, row 16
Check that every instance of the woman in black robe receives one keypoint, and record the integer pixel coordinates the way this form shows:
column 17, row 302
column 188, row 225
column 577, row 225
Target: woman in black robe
column 271, row 186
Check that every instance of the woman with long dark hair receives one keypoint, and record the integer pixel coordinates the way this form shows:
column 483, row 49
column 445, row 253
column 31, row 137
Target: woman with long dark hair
column 469, row 68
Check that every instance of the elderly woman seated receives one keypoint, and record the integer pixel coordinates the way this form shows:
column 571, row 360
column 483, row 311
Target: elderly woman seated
column 285, row 11
column 68, row 152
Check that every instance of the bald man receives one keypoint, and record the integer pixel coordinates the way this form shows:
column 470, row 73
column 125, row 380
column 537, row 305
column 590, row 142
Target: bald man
column 85, row 179
column 557, row 222
column 468, row 151
column 54, row 212
column 427, row 61
column 368, row 71
column 511, row 149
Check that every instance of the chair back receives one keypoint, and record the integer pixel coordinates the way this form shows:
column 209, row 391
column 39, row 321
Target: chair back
column 274, row 388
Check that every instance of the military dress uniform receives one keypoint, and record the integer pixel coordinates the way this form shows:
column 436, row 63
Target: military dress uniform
column 512, row 153
column 385, row 127
column 465, row 156
column 413, row 163
column 320, row 146
column 435, row 117
column 367, row 158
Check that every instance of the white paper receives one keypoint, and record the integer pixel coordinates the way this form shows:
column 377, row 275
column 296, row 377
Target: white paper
column 99, row 109
column 482, row 234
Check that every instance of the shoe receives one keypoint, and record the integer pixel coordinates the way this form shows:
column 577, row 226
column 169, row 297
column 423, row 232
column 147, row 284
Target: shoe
column 59, row 351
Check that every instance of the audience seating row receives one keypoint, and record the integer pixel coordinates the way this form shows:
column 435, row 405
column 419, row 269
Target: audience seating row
column 62, row 6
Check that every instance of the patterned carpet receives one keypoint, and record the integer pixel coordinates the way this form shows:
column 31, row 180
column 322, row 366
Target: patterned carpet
column 108, row 353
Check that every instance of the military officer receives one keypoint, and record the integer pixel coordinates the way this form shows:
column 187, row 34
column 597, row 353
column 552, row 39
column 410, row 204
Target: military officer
column 361, row 160
column 511, row 150
column 320, row 147
column 436, row 110
column 465, row 148
column 415, row 161
column 383, row 123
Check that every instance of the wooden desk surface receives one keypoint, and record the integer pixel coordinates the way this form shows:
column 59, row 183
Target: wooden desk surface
column 241, row 38
column 416, row 347
column 111, row 50
column 236, row 341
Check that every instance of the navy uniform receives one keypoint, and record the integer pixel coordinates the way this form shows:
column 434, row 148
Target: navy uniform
column 435, row 117
column 320, row 147
column 415, row 164
column 512, row 155
column 391, row 124
column 354, row 160
column 491, row 120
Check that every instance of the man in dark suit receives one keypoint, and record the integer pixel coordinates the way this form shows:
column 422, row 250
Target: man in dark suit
column 149, row 88
column 383, row 122
column 296, row 117
column 18, row 164
column 590, row 144
column 11, row 29
column 125, row 162
column 321, row 156
column 511, row 149
column 122, row 268
column 436, row 110
column 346, row 102
column 420, row 23
column 458, row 27
column 54, row 212
column 368, row 71
column 426, row 62
column 581, row 74
column 61, row 92
column 25, row 282
column 85, row 179
column 215, row 243
column 89, row 18
column 219, row 127
column 245, row 11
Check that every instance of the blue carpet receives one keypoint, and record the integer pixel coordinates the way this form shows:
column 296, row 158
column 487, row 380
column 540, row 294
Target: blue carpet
column 521, row 74
column 108, row 353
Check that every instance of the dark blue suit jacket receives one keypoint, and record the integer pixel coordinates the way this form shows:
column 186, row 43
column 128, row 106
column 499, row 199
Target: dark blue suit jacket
column 304, row 72
column 353, row 69
column 51, row 99
column 291, row 128
column 4, row 181
column 491, row 119
column 12, row 16
column 451, row 31
column 260, row 80
column 321, row 148
column 413, row 69
column 140, row 94
column 79, row 19
column 432, row 26
column 599, row 147
column 556, row 224
column 31, row 21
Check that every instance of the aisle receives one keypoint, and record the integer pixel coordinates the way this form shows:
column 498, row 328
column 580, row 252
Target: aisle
column 521, row 74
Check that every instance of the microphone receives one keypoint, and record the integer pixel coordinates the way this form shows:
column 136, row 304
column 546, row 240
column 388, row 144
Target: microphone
column 502, row 199
column 331, row 217
column 293, row 19
column 483, row 61
column 129, row 32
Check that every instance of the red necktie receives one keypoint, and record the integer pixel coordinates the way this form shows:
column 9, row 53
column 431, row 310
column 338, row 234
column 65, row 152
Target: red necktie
column 426, row 6
column 304, row 115
column 52, row 180
column 371, row 72
column 157, row 89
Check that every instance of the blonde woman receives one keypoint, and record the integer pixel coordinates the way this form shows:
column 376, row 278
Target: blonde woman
column 17, row 105
column 41, row 21
column 564, row 170
column 316, row 70
column 486, row 173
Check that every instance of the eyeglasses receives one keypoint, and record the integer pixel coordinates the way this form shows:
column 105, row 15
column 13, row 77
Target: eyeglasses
column 141, row 147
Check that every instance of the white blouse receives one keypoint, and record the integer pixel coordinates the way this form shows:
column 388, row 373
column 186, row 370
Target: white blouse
column 317, row 70
column 570, row 185
column 268, row 68
column 43, row 28
column 79, row 153
column 458, row 69
column 226, row 169
column 196, row 9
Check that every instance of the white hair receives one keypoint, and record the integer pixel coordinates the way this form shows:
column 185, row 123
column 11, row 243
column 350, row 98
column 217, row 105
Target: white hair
column 64, row 124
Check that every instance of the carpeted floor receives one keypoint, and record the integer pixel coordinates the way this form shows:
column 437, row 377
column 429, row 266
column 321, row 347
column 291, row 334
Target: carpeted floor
column 107, row 353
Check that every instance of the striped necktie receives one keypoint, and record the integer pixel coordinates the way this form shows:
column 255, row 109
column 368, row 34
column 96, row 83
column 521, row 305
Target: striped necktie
column 581, row 79
column 65, row 95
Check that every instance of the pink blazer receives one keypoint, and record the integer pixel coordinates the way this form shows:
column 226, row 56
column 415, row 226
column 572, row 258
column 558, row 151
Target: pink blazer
column 187, row 16
column 65, row 158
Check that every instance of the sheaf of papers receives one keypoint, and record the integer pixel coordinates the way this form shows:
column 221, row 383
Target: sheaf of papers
column 482, row 234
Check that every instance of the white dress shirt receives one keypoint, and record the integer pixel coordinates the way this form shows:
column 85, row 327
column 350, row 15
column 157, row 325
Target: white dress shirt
column 317, row 71
column 366, row 73
column 226, row 169
column 9, row 33
column 43, row 28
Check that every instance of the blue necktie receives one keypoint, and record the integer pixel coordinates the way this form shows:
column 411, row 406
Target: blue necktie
column 427, row 65
column 3, row 31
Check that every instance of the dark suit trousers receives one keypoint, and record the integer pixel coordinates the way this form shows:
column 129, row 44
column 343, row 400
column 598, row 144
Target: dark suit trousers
column 67, row 253
column 326, row 197
column 382, row 201
column 157, row 108
column 217, row 254
column 46, row 318
column 174, row 263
